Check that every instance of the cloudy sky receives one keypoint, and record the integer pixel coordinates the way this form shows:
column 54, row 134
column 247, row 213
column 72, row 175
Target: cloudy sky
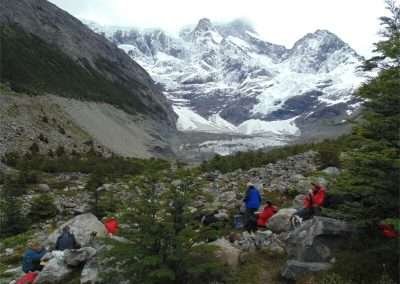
column 278, row 21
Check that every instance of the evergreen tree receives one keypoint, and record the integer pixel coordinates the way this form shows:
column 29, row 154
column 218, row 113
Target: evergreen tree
column 372, row 165
column 12, row 220
column 162, row 241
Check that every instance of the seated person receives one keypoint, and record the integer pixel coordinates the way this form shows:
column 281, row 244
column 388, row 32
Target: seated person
column 268, row 211
column 313, row 202
column 66, row 240
column 31, row 258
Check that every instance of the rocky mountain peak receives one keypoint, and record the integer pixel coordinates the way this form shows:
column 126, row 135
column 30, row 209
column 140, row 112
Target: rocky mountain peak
column 239, row 28
column 204, row 25
column 313, row 52
column 322, row 41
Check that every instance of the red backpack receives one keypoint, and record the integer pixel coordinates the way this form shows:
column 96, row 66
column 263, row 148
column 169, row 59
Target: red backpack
column 28, row 278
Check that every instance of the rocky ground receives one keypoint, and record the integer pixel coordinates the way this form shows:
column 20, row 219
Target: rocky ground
column 52, row 121
column 306, row 249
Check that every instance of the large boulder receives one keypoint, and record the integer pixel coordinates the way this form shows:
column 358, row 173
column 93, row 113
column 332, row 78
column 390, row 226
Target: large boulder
column 280, row 222
column 314, row 239
column 82, row 226
column 90, row 272
column 54, row 272
column 227, row 253
column 294, row 269
column 76, row 257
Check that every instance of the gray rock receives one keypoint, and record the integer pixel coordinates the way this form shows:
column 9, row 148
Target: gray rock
column 81, row 226
column 295, row 269
column 90, row 272
column 76, row 257
column 55, row 272
column 274, row 248
column 43, row 187
column 298, row 201
column 263, row 235
column 315, row 238
column 331, row 171
column 280, row 222
column 9, row 251
column 222, row 215
column 226, row 252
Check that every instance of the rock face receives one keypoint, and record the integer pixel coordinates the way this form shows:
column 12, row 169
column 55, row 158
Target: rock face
column 82, row 226
column 55, row 272
column 90, row 272
column 57, row 27
column 280, row 222
column 311, row 241
column 226, row 252
column 309, row 246
column 78, row 56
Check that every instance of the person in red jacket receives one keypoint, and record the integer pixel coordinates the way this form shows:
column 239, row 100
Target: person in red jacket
column 268, row 211
column 313, row 202
column 111, row 225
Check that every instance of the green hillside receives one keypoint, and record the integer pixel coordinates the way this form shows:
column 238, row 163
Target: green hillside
column 32, row 66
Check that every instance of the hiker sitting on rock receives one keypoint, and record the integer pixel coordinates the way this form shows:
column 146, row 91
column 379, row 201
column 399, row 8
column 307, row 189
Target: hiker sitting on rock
column 268, row 211
column 31, row 258
column 66, row 240
column 252, row 202
column 313, row 202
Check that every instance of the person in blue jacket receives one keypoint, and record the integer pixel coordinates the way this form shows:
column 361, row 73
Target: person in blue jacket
column 32, row 256
column 252, row 201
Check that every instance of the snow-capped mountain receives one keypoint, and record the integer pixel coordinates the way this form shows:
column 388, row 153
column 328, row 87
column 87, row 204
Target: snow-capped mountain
column 224, row 78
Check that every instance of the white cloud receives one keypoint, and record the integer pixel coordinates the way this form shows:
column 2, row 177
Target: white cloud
column 278, row 21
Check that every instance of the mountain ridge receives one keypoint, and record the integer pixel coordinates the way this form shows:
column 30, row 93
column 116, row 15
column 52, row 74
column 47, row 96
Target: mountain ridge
column 225, row 78
column 46, row 52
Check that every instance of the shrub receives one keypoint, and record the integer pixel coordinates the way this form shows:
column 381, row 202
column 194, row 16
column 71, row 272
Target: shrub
column 42, row 208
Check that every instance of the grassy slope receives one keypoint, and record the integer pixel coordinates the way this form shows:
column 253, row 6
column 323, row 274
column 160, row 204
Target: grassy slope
column 32, row 66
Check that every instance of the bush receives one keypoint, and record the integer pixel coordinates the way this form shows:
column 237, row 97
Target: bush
column 42, row 208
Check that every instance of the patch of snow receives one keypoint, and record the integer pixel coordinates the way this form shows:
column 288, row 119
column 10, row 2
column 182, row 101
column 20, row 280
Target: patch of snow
column 257, row 126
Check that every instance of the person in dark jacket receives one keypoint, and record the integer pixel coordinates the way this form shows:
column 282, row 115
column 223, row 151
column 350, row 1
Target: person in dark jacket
column 252, row 202
column 31, row 258
column 66, row 240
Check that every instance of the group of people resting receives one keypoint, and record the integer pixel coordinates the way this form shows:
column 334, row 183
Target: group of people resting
column 31, row 261
column 313, row 202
